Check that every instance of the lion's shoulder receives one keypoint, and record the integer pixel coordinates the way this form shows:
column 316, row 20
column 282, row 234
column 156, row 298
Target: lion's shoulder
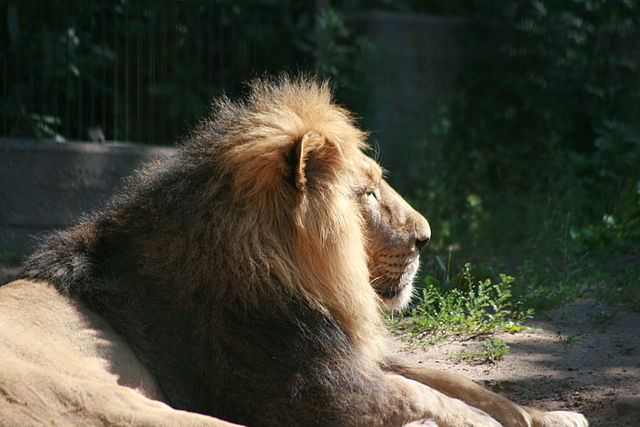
column 45, row 331
column 62, row 364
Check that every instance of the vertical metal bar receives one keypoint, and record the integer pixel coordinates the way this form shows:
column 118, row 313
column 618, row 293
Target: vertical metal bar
column 103, row 76
column 163, row 72
column 54, row 94
column 151, row 76
column 78, row 132
column 220, row 47
column 138, row 125
column 68, row 84
column 126, row 72
column 43, row 81
column 209, row 37
column 117, row 54
column 92, row 87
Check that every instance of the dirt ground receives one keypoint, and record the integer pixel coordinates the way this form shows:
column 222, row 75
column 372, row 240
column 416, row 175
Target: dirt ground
column 584, row 357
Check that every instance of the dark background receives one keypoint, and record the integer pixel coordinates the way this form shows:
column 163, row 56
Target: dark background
column 512, row 125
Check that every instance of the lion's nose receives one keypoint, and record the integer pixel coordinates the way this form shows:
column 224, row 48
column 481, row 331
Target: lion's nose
column 422, row 243
column 423, row 233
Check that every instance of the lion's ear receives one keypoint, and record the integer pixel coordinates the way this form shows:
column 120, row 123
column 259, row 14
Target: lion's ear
column 309, row 142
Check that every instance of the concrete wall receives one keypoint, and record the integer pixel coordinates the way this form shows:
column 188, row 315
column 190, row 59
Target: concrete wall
column 418, row 68
column 415, row 66
column 47, row 185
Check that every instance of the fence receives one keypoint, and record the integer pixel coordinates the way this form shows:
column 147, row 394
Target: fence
column 138, row 71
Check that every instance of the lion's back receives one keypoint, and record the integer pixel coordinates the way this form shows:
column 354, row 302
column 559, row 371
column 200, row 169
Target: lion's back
column 51, row 347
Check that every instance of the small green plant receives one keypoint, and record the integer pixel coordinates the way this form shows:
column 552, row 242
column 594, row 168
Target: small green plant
column 493, row 351
column 569, row 339
column 475, row 307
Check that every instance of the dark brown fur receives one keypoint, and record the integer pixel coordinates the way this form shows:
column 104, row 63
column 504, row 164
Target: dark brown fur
column 172, row 264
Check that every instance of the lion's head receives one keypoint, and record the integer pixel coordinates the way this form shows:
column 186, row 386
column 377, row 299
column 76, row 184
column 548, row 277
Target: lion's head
column 297, row 172
column 303, row 159
column 396, row 233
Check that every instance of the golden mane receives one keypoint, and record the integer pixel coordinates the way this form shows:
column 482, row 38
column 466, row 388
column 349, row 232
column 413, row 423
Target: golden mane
column 310, row 240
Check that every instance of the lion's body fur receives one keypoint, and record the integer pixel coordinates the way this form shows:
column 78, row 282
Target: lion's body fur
column 214, row 240
column 238, row 273
column 62, row 364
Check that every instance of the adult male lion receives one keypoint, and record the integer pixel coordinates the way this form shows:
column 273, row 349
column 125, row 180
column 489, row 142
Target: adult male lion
column 235, row 280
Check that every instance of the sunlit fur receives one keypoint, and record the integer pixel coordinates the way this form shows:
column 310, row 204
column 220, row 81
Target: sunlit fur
column 255, row 227
column 312, row 242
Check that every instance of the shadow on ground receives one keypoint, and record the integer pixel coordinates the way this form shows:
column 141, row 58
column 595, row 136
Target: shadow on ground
column 584, row 356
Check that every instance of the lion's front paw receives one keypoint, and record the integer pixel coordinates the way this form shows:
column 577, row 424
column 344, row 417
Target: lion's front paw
column 459, row 414
column 422, row 423
column 559, row 419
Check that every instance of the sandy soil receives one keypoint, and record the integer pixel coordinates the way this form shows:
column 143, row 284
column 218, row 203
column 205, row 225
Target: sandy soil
column 583, row 357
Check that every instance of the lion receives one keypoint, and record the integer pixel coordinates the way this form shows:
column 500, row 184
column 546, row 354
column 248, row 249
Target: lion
column 240, row 281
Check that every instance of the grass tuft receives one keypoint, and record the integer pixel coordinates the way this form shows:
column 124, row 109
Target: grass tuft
column 493, row 351
column 475, row 307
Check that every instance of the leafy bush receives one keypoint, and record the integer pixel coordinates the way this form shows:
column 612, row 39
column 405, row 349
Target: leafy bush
column 536, row 160
column 474, row 307
column 142, row 71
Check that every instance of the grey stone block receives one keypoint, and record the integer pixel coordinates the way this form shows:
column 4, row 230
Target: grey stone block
column 46, row 185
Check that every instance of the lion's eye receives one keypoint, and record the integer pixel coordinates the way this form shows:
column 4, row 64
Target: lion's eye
column 372, row 193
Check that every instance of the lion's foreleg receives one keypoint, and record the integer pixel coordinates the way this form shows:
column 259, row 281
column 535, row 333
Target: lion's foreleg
column 502, row 409
column 422, row 405
column 459, row 387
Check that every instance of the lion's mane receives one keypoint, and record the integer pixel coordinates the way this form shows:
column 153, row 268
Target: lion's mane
column 235, row 281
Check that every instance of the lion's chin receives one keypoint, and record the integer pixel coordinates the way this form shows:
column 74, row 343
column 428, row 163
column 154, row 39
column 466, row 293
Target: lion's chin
column 398, row 298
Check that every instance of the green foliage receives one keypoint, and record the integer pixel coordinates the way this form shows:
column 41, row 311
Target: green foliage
column 144, row 71
column 472, row 307
column 534, row 166
column 493, row 351
column 342, row 56
column 560, row 119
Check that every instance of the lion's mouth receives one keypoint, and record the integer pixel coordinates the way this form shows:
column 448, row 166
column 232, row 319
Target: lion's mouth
column 389, row 294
